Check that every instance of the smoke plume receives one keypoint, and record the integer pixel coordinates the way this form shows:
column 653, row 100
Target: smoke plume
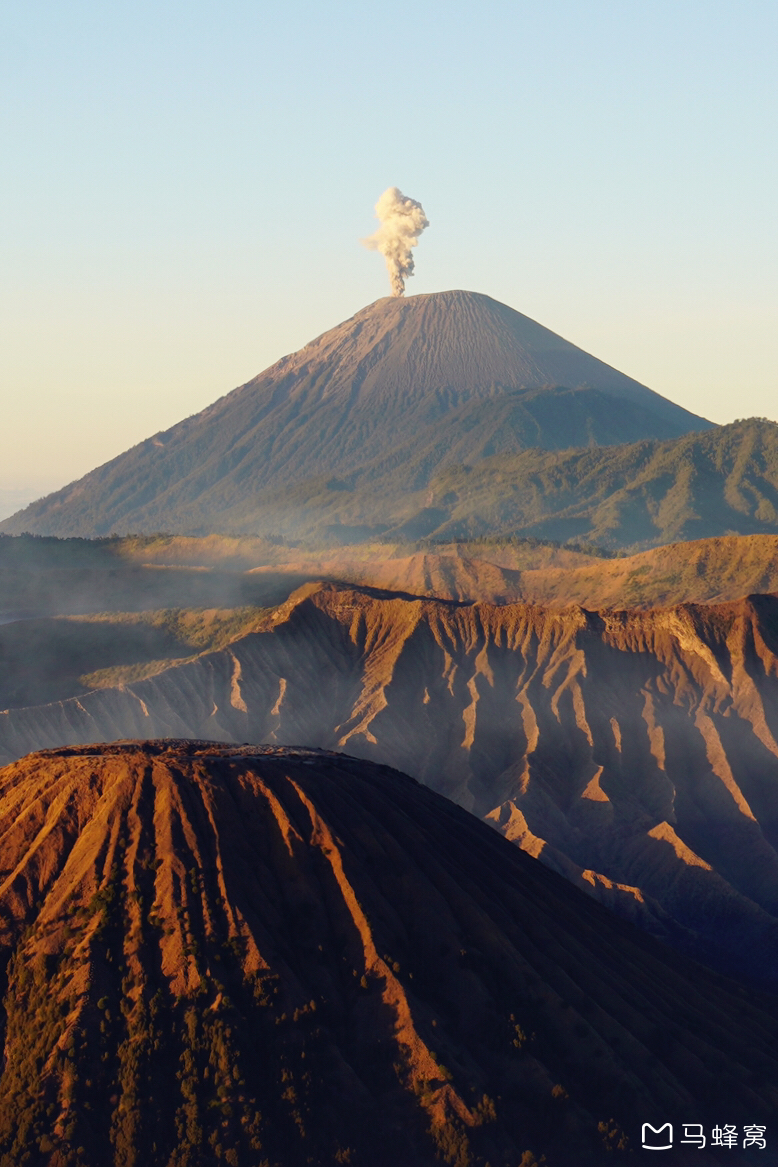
column 402, row 222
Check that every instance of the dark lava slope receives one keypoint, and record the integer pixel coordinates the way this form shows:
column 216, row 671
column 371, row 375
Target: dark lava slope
column 253, row 955
column 389, row 395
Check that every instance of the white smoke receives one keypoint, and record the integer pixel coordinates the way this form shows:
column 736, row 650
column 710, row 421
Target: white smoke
column 402, row 222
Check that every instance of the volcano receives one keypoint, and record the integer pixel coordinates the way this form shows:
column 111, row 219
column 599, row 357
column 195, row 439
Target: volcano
column 379, row 404
column 243, row 955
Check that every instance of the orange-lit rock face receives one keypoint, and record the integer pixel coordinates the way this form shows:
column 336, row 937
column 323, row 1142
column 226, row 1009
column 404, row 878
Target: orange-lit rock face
column 272, row 956
column 634, row 752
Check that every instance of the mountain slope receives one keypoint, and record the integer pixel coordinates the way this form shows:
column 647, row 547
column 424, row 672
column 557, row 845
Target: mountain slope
column 635, row 752
column 229, row 955
column 723, row 481
column 404, row 383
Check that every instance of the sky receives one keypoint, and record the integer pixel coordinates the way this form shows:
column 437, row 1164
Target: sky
column 186, row 184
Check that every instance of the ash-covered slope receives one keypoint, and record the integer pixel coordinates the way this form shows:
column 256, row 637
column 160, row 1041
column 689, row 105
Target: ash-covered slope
column 635, row 752
column 229, row 955
column 389, row 395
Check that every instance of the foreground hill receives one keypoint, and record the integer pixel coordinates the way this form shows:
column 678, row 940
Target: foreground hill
column 390, row 395
column 636, row 753
column 242, row 956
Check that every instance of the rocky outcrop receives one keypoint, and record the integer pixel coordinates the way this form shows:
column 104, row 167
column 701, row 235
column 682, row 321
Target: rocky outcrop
column 634, row 752
column 217, row 954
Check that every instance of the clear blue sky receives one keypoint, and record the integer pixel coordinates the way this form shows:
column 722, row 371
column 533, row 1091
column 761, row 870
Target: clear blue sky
column 185, row 186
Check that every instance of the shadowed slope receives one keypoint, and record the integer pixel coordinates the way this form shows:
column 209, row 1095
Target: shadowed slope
column 637, row 753
column 404, row 385
column 286, row 957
